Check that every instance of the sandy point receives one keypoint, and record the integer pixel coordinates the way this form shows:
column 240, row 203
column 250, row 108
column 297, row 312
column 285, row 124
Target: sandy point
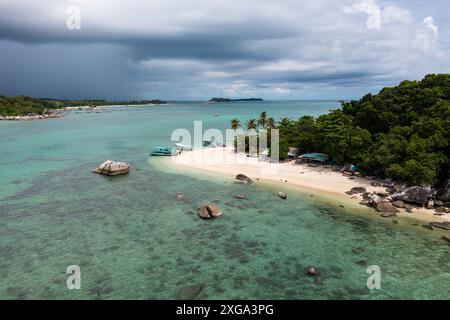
column 323, row 180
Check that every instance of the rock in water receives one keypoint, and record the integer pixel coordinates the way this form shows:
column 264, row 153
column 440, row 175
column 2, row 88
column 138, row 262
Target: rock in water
column 356, row 190
column 312, row 271
column 209, row 211
column 240, row 196
column 419, row 195
column 382, row 205
column 442, row 225
column 203, row 212
column 385, row 206
column 113, row 168
column 179, row 197
column 214, row 211
column 282, row 195
column 398, row 204
column 190, row 292
column 388, row 215
column 446, row 238
column 243, row 177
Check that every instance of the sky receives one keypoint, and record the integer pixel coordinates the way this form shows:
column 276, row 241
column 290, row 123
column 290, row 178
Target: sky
column 198, row 49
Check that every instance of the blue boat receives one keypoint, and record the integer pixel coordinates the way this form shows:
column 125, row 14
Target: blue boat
column 164, row 151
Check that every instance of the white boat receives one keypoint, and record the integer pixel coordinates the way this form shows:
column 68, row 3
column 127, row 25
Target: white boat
column 183, row 147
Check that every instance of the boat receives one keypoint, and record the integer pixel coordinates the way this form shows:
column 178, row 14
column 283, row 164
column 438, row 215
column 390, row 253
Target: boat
column 206, row 143
column 282, row 195
column 183, row 147
column 164, row 151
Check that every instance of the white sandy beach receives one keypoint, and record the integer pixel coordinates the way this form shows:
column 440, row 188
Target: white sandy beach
column 320, row 180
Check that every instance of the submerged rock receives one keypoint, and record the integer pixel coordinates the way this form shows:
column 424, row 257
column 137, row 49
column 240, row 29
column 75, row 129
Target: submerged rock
column 362, row 262
column 388, row 215
column 442, row 225
column 209, row 211
column 419, row 195
column 113, row 168
column 446, row 238
column 190, row 292
column 312, row 271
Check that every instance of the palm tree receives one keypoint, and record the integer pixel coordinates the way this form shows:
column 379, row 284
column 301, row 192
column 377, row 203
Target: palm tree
column 235, row 124
column 271, row 123
column 262, row 119
column 251, row 124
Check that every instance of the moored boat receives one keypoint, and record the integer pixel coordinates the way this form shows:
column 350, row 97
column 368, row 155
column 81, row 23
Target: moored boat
column 165, row 151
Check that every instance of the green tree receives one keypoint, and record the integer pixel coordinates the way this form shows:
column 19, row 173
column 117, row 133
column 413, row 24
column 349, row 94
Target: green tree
column 251, row 124
column 271, row 123
column 235, row 124
column 262, row 121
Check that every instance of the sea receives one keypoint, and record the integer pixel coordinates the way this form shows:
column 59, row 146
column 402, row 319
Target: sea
column 130, row 239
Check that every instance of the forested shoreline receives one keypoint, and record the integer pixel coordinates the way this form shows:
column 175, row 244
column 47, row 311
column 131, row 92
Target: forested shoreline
column 403, row 132
column 24, row 105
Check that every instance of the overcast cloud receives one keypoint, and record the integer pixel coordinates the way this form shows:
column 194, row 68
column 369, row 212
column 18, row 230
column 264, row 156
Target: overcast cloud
column 179, row 49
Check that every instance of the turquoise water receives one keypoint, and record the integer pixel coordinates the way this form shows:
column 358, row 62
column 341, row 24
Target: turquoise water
column 132, row 240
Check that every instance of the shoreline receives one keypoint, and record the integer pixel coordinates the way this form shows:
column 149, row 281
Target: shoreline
column 59, row 113
column 115, row 106
column 30, row 117
column 323, row 182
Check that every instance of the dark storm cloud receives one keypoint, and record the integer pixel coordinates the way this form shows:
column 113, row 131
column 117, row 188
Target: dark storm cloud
column 139, row 49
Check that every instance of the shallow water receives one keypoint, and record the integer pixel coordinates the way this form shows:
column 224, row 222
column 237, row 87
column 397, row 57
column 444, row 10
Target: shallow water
column 132, row 240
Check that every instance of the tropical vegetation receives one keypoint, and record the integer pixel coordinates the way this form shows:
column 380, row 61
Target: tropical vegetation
column 403, row 132
column 24, row 105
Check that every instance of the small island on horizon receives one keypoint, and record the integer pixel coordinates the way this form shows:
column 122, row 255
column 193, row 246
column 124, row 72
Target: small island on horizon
column 218, row 100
